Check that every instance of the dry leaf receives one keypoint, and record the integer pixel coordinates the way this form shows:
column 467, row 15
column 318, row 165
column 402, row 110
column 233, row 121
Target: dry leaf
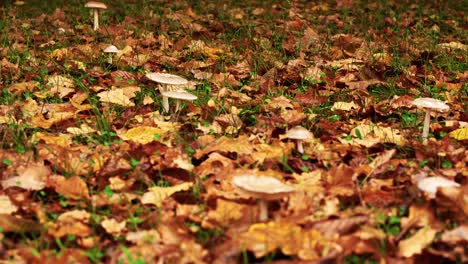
column 6, row 206
column 142, row 134
column 460, row 134
column 113, row 227
column 344, row 106
column 417, row 242
column 156, row 195
column 116, row 96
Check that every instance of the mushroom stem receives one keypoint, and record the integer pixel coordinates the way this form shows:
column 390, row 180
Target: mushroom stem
column 96, row 18
column 165, row 103
column 427, row 121
column 177, row 105
column 263, row 210
column 300, row 146
column 109, row 60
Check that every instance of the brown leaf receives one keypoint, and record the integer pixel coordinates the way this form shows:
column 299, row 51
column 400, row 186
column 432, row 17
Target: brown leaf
column 417, row 242
column 73, row 187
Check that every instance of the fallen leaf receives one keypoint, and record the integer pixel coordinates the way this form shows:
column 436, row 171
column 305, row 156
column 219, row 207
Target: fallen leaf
column 116, row 96
column 460, row 134
column 156, row 195
column 113, row 227
column 344, row 106
column 73, row 187
column 417, row 242
column 6, row 206
column 142, row 134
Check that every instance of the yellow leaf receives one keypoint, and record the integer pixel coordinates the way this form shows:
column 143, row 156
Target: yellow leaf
column 83, row 129
column 382, row 134
column 308, row 244
column 345, row 106
column 116, row 96
column 156, row 195
column 416, row 243
column 6, row 206
column 460, row 134
column 141, row 134
column 59, row 54
column 113, row 227
column 225, row 214
column 62, row 140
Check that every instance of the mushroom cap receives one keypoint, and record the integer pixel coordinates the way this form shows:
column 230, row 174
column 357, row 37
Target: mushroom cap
column 298, row 132
column 263, row 187
column 179, row 94
column 95, row 4
column 111, row 49
column 431, row 103
column 429, row 185
column 166, row 78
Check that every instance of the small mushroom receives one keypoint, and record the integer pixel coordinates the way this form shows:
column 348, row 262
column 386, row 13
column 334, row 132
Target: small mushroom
column 179, row 95
column 166, row 79
column 111, row 50
column 95, row 6
column 299, row 133
column 430, row 185
column 264, row 188
column 429, row 105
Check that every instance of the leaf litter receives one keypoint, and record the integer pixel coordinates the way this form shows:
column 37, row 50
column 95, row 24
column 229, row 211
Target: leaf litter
column 93, row 169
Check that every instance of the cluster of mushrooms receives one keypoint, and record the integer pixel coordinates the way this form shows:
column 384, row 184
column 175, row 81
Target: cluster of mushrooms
column 171, row 85
column 267, row 188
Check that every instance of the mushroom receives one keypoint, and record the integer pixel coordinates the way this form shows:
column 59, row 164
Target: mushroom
column 95, row 6
column 430, row 185
column 299, row 133
column 111, row 49
column 166, row 79
column 429, row 104
column 179, row 95
column 264, row 188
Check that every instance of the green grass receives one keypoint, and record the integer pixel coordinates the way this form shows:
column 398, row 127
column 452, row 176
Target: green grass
column 270, row 43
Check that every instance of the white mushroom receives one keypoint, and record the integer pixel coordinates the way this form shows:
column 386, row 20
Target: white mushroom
column 179, row 95
column 264, row 188
column 429, row 104
column 111, row 49
column 166, row 79
column 430, row 185
column 95, row 6
column 299, row 133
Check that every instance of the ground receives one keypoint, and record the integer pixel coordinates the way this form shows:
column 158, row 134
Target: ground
column 95, row 171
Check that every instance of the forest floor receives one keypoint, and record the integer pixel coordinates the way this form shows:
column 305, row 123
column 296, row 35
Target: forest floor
column 95, row 171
